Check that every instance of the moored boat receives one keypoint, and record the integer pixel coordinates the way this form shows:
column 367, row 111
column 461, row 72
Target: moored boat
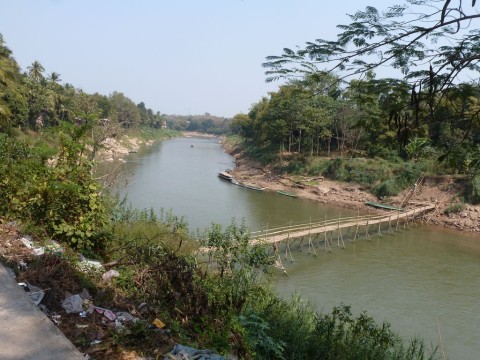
column 225, row 176
column 383, row 206
column 287, row 193
column 251, row 187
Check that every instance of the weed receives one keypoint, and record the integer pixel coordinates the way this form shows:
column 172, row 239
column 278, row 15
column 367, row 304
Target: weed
column 454, row 208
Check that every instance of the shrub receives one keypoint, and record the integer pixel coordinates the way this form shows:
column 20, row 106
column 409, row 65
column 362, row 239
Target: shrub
column 62, row 197
column 336, row 169
column 454, row 208
column 279, row 329
column 386, row 188
column 472, row 190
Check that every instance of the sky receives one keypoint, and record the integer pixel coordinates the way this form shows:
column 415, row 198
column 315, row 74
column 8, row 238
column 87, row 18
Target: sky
column 178, row 56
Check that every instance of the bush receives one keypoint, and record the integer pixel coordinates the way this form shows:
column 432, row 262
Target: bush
column 279, row 329
column 386, row 188
column 472, row 190
column 454, row 208
column 61, row 197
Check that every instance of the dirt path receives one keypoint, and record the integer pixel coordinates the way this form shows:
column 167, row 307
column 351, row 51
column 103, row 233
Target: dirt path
column 353, row 196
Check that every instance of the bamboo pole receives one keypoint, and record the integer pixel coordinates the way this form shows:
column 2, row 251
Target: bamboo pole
column 356, row 228
column 367, row 236
column 325, row 234
column 310, row 238
column 340, row 236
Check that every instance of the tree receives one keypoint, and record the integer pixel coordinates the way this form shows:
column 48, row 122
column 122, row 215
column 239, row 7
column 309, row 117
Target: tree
column 35, row 71
column 8, row 77
column 54, row 77
column 426, row 40
column 125, row 110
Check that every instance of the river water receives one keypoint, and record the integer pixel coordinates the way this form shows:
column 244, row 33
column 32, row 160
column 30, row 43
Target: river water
column 416, row 279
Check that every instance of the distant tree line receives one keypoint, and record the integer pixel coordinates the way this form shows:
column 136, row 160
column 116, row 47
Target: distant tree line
column 32, row 99
column 202, row 123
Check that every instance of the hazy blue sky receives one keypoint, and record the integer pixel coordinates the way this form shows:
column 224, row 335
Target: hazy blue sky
column 178, row 56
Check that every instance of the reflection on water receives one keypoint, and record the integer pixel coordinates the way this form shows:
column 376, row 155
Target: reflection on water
column 174, row 175
column 409, row 279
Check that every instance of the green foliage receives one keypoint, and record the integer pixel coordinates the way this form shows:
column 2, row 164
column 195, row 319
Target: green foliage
column 258, row 338
column 279, row 329
column 236, row 264
column 61, row 196
column 386, row 188
column 472, row 190
column 454, row 208
column 416, row 148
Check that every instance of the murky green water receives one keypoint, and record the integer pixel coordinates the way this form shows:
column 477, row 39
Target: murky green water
column 410, row 279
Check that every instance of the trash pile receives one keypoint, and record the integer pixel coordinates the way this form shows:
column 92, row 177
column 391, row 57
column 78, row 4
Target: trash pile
column 181, row 352
column 52, row 281
column 81, row 297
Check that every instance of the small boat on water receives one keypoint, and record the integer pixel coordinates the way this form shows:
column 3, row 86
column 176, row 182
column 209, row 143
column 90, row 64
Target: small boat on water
column 382, row 206
column 225, row 175
column 287, row 193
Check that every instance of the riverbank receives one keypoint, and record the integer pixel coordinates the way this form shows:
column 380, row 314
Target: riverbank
column 116, row 148
column 437, row 190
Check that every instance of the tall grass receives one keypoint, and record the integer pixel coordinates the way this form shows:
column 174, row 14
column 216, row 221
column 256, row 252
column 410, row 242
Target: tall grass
column 295, row 330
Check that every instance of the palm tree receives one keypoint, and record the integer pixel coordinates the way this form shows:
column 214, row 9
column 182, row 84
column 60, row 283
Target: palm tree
column 36, row 71
column 54, row 77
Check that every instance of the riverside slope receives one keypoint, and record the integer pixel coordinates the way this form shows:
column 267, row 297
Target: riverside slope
column 441, row 192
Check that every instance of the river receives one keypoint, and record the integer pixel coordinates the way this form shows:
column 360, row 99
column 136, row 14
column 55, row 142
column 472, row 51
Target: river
column 414, row 279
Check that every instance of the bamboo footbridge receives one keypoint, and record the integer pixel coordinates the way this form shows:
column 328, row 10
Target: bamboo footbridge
column 316, row 232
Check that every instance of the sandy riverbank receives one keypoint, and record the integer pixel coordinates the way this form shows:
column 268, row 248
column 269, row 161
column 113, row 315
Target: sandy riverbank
column 117, row 148
column 441, row 192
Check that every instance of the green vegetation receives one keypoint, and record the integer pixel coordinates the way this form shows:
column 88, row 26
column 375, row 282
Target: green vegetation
column 454, row 208
column 298, row 128
column 201, row 123
column 406, row 125
column 217, row 298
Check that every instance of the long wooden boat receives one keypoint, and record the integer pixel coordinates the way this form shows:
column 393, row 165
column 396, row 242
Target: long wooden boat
column 225, row 176
column 251, row 187
column 287, row 193
column 382, row 206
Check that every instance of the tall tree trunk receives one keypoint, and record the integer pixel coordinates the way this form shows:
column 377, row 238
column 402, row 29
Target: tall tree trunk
column 300, row 142
column 311, row 147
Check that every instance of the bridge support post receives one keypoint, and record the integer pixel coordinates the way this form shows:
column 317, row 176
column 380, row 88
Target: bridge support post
column 406, row 223
column 278, row 260
column 326, row 243
column 310, row 243
column 356, row 227
column 398, row 218
column 367, row 235
column 287, row 248
column 390, row 224
column 317, row 239
column 339, row 235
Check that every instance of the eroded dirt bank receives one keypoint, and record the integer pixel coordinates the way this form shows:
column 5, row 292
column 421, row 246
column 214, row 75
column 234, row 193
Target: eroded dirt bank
column 439, row 191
